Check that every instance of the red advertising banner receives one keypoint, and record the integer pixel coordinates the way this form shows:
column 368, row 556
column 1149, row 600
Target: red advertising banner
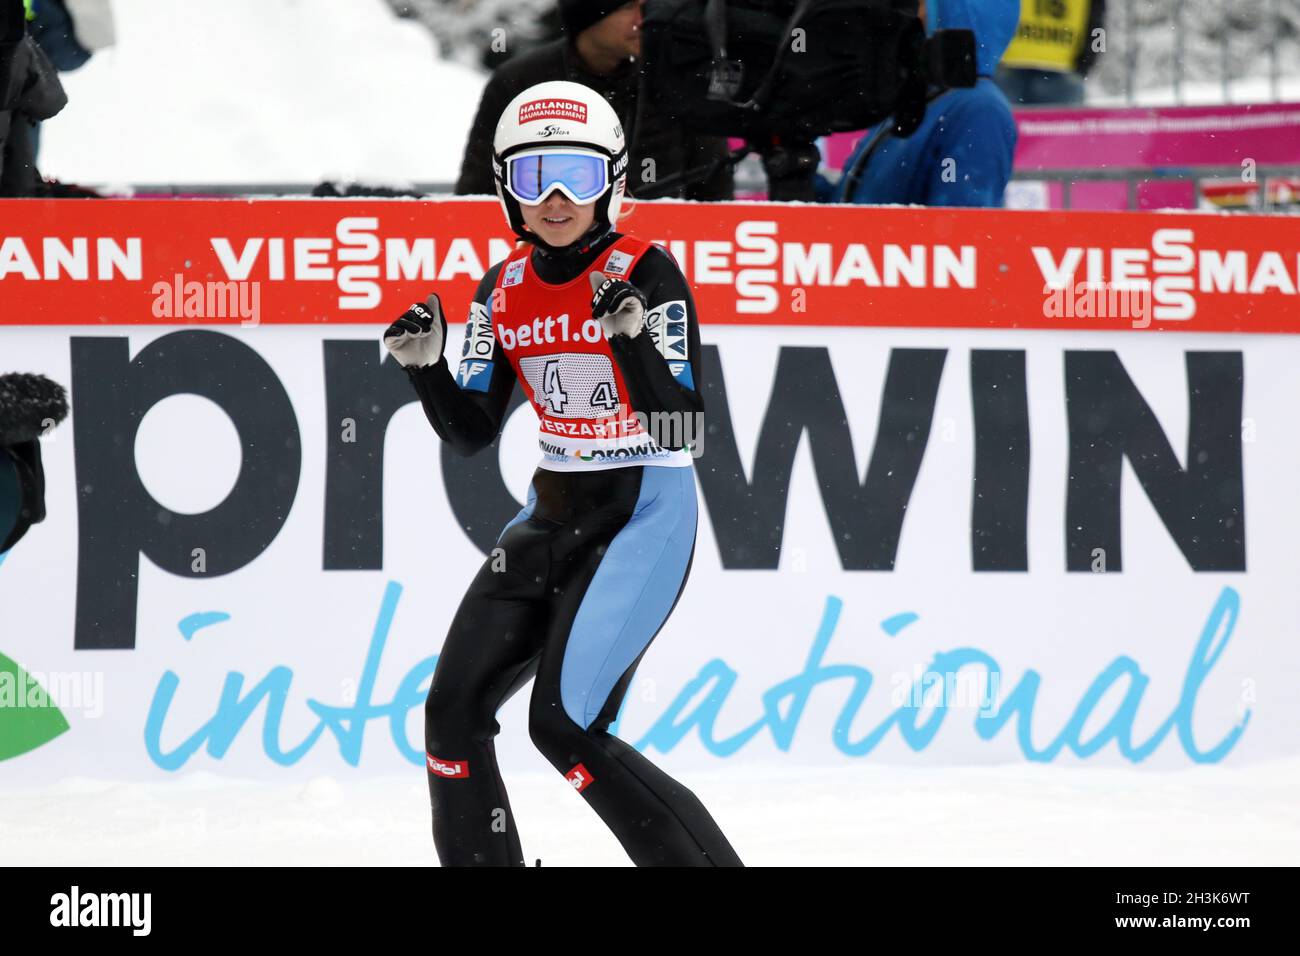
column 242, row 262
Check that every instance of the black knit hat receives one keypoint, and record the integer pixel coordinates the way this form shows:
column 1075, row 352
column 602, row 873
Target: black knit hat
column 577, row 15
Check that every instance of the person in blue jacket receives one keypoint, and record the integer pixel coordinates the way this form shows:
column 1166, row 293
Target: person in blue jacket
column 961, row 153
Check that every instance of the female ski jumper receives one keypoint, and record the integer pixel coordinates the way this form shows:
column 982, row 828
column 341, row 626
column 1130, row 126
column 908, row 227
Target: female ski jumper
column 594, row 562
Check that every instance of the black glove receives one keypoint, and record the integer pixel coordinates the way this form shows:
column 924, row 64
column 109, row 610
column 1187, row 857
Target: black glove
column 620, row 306
column 417, row 338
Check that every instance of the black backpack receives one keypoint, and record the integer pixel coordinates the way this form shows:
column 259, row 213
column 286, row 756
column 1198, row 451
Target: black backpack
column 796, row 68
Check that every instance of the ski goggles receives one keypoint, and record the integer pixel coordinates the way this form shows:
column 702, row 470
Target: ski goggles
column 581, row 174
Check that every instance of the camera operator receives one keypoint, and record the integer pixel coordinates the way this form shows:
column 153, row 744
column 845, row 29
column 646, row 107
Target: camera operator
column 961, row 154
column 30, row 92
column 601, row 49
column 69, row 38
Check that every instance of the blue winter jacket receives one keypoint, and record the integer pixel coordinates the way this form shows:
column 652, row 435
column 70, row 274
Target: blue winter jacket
column 961, row 153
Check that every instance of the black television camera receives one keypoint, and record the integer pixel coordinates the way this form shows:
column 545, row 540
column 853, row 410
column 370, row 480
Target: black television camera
column 780, row 73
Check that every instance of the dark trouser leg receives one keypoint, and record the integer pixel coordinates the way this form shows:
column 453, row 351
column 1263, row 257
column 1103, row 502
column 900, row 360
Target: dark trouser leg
column 491, row 650
column 619, row 578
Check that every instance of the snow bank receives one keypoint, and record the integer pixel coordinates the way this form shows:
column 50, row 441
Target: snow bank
column 859, row 814
column 246, row 91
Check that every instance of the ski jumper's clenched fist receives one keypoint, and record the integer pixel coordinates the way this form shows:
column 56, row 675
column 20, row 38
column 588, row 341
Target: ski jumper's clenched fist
column 618, row 305
column 417, row 337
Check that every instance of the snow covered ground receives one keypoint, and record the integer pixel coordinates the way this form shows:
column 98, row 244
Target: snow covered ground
column 245, row 91
column 860, row 814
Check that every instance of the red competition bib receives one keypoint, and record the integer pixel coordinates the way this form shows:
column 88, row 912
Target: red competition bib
column 564, row 364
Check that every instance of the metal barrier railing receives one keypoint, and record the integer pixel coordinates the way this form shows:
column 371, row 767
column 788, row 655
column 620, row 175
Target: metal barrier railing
column 1135, row 62
column 1262, row 201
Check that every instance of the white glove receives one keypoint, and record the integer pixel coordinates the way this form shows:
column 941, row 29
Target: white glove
column 619, row 305
column 416, row 339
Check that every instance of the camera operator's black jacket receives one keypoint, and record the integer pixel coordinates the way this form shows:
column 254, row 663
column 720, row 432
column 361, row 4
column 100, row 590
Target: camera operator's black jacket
column 30, row 92
column 672, row 148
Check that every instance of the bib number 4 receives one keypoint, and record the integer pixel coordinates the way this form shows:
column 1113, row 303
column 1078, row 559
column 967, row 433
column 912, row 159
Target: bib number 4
column 604, row 396
column 556, row 396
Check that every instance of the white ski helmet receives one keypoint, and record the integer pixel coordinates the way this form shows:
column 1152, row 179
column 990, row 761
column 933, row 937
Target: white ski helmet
column 560, row 135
